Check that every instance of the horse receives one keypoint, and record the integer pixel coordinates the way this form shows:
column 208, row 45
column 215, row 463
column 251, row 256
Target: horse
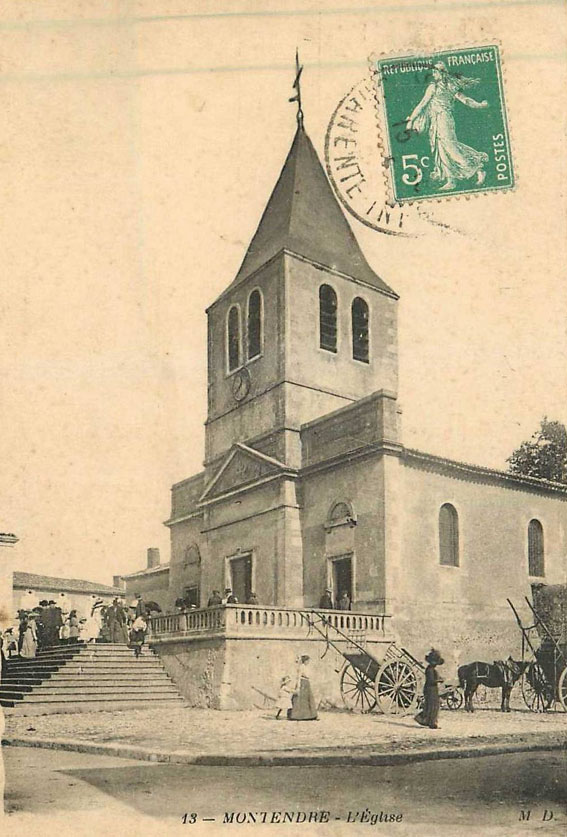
column 501, row 674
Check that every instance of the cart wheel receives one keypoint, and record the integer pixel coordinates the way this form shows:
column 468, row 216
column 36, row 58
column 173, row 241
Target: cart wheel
column 357, row 690
column 537, row 692
column 396, row 688
column 562, row 689
column 454, row 700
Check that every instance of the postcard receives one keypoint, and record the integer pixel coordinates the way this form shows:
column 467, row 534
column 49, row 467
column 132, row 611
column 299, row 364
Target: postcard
column 284, row 449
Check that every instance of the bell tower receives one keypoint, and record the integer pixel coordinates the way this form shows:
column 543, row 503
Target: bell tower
column 305, row 327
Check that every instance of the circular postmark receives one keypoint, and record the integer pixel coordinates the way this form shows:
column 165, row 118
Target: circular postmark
column 355, row 167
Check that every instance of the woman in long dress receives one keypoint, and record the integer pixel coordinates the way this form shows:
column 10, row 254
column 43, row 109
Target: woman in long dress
column 29, row 642
column 303, row 703
column 452, row 160
column 430, row 713
column 92, row 624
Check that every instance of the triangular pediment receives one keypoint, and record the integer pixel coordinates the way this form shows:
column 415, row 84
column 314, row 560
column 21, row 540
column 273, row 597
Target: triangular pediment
column 243, row 466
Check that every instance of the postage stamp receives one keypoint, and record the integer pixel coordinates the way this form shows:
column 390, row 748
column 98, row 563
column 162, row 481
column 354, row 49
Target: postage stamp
column 443, row 123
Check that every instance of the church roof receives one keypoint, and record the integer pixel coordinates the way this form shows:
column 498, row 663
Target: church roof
column 303, row 217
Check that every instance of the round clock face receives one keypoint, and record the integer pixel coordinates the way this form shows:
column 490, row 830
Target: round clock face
column 241, row 384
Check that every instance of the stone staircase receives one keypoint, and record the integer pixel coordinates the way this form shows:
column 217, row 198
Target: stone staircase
column 97, row 677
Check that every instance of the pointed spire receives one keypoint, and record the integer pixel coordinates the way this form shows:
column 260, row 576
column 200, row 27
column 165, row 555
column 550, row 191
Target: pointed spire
column 297, row 88
column 303, row 217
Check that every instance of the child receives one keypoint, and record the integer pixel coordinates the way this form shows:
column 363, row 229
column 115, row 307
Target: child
column 284, row 696
column 138, row 634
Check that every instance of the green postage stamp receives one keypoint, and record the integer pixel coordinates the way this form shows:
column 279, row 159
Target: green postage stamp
column 443, row 123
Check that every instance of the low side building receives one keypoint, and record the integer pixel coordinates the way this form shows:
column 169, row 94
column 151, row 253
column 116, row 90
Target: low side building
column 68, row 593
column 152, row 582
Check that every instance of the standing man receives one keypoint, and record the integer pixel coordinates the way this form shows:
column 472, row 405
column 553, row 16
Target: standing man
column 116, row 619
column 57, row 622
column 326, row 600
column 52, row 621
column 40, row 626
column 140, row 606
column 344, row 601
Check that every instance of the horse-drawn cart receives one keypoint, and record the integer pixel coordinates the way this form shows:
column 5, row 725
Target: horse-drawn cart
column 544, row 645
column 388, row 678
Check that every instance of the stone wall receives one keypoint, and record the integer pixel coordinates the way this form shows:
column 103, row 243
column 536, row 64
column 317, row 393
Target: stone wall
column 234, row 674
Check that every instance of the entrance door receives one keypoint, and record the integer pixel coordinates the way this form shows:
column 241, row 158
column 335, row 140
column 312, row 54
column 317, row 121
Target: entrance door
column 241, row 577
column 342, row 578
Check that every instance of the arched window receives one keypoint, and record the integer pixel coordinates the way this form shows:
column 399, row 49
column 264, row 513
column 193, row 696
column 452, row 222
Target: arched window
column 327, row 318
column 254, row 324
column 360, row 317
column 536, row 558
column 233, row 338
column 448, row 536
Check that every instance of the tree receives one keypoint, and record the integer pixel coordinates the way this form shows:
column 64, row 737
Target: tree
column 545, row 455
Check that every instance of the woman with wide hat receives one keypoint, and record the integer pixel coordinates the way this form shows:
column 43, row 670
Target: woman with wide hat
column 430, row 712
column 303, row 707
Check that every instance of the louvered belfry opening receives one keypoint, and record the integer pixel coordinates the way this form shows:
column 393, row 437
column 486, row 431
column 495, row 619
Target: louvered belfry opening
column 327, row 318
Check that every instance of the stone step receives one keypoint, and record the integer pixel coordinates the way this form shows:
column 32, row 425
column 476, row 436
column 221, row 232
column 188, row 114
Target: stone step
column 98, row 648
column 69, row 708
column 108, row 676
column 25, row 681
column 80, row 682
column 49, row 656
column 133, row 696
column 71, row 693
column 89, row 652
column 71, row 665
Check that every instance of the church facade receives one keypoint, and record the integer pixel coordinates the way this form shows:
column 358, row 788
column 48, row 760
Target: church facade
column 307, row 484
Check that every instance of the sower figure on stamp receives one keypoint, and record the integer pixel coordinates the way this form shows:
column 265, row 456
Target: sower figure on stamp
column 430, row 713
column 452, row 160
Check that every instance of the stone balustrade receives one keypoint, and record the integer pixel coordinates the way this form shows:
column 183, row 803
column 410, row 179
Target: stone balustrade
column 255, row 621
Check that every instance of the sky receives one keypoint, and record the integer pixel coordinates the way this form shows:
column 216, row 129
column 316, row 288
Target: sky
column 139, row 143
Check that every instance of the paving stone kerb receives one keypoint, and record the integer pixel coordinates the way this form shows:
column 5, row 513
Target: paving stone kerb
column 293, row 759
column 207, row 737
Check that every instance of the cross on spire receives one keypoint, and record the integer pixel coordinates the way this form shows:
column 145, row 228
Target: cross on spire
column 297, row 88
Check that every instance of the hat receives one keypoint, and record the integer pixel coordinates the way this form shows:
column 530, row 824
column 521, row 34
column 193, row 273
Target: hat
column 305, row 658
column 434, row 658
column 285, row 679
column 328, row 590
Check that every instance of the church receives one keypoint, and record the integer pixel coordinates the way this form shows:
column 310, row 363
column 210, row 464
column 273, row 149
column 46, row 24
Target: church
column 307, row 484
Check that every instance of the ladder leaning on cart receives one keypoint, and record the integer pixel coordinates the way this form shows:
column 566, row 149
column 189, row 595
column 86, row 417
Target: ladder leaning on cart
column 391, row 681
column 544, row 682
